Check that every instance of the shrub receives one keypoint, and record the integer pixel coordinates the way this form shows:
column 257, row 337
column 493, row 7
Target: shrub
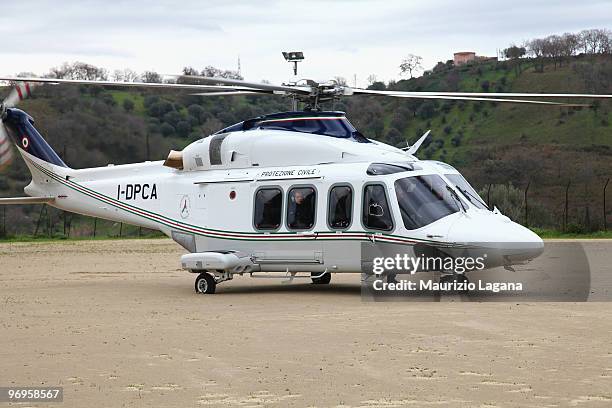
column 167, row 129
column 128, row 105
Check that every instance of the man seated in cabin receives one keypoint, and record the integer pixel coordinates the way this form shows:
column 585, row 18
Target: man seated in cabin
column 300, row 214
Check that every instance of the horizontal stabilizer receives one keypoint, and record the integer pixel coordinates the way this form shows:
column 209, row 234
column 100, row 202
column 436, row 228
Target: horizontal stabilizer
column 26, row 200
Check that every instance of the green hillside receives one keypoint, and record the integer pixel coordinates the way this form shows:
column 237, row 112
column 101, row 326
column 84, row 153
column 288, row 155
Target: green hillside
column 493, row 144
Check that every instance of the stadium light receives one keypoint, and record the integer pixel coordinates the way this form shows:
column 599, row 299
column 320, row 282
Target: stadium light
column 295, row 57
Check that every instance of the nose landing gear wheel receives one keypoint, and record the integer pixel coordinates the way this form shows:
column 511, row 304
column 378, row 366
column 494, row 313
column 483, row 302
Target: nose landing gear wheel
column 323, row 280
column 454, row 278
column 205, row 284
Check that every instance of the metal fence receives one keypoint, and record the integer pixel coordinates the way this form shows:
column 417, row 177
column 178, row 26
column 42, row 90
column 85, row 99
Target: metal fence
column 575, row 206
column 43, row 221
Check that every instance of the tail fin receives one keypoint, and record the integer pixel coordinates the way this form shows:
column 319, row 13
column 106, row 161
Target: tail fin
column 20, row 127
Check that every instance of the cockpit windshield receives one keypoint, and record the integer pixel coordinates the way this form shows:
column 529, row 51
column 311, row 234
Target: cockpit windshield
column 329, row 126
column 334, row 124
column 467, row 190
column 423, row 200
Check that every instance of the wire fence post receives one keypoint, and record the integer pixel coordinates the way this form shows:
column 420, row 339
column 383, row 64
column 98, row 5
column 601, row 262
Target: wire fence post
column 39, row 218
column 120, row 229
column 68, row 225
column 565, row 216
column 489, row 195
column 4, row 220
column 605, row 218
column 95, row 227
column 49, row 223
column 526, row 206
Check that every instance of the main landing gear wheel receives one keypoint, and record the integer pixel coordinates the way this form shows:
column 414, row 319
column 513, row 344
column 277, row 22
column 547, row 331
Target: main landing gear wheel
column 205, row 284
column 391, row 278
column 323, row 280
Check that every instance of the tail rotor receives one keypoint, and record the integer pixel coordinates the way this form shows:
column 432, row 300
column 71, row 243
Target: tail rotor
column 21, row 91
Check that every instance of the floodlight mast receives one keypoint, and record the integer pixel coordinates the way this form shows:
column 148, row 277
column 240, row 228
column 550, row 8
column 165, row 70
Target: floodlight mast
column 295, row 57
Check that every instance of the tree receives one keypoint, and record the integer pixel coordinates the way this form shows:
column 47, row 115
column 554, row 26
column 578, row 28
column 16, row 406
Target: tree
column 183, row 128
column 536, row 49
column 570, row 44
column 79, row 71
column 377, row 86
column 190, row 71
column 507, row 198
column 341, row 81
column 211, row 71
column 410, row 64
column 427, row 110
column 125, row 75
column 552, row 47
column 515, row 54
column 167, row 129
column 452, row 81
column 197, row 112
column 151, row 77
column 394, row 137
column 371, row 79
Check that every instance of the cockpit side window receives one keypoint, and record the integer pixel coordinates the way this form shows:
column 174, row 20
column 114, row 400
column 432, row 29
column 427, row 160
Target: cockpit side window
column 268, row 208
column 375, row 212
column 423, row 200
column 340, row 209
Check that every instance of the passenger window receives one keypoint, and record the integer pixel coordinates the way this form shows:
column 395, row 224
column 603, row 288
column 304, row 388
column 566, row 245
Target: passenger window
column 268, row 208
column 376, row 213
column 340, row 208
column 301, row 208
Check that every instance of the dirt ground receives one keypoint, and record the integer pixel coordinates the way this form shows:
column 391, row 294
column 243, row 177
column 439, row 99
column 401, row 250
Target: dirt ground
column 117, row 324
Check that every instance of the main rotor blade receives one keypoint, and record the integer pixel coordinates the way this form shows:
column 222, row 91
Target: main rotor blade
column 421, row 95
column 126, row 84
column 492, row 94
column 226, row 93
column 252, row 85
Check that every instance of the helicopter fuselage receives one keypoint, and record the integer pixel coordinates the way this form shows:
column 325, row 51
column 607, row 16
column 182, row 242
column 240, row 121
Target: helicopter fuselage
column 312, row 216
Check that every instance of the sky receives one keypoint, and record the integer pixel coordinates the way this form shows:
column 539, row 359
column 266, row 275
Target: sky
column 352, row 39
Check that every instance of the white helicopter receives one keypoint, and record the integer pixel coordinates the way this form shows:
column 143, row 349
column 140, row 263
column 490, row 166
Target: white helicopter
column 290, row 193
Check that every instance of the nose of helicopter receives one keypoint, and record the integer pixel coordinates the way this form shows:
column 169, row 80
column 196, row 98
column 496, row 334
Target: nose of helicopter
column 504, row 241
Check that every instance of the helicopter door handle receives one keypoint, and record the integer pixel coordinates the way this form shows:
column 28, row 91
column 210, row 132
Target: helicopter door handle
column 372, row 237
